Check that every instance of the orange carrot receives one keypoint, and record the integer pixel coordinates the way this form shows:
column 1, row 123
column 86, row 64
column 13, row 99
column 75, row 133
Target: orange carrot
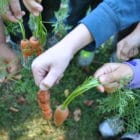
column 27, row 52
column 43, row 96
column 60, row 115
column 35, row 45
column 24, row 44
column 44, row 103
column 25, row 47
column 47, row 114
column 38, row 51
column 34, row 42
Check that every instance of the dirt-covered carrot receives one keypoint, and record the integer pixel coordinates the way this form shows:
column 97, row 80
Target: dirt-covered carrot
column 61, row 112
column 43, row 96
column 24, row 43
column 35, row 45
column 27, row 52
column 44, row 103
column 38, row 51
column 34, row 42
column 25, row 47
column 60, row 115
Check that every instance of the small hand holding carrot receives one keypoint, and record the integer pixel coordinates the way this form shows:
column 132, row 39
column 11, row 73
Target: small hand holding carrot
column 13, row 11
column 33, row 6
column 48, row 68
column 110, row 75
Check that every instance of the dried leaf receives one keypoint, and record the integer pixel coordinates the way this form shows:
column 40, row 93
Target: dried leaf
column 18, row 77
column 13, row 109
column 49, row 131
column 62, row 137
column 77, row 114
column 21, row 100
column 88, row 102
column 66, row 92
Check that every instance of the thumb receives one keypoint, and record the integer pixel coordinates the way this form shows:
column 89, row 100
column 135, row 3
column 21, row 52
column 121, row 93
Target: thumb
column 49, row 80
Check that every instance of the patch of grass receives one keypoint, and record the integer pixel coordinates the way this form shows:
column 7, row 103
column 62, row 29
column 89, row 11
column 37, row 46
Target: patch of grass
column 29, row 124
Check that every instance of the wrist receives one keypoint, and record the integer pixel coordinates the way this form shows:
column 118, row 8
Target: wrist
column 65, row 49
column 77, row 39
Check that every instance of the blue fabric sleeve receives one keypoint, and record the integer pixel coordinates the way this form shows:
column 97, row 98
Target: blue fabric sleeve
column 135, row 65
column 110, row 17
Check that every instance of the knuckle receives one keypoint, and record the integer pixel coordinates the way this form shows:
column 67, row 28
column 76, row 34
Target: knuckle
column 33, row 65
column 114, row 77
column 119, row 45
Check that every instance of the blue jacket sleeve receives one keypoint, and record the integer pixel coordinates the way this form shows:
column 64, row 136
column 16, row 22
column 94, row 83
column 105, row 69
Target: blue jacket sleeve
column 110, row 17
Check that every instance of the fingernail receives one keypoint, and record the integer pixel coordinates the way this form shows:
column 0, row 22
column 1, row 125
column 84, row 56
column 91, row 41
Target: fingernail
column 101, row 89
column 102, row 79
column 23, row 13
column 39, row 8
column 19, row 16
column 44, row 87
column 36, row 13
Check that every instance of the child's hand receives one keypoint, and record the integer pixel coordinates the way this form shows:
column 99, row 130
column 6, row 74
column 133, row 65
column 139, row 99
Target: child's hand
column 13, row 11
column 49, row 67
column 128, row 47
column 33, row 6
column 10, row 58
column 110, row 75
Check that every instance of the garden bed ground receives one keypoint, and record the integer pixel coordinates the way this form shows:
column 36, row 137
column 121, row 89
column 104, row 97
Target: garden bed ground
column 24, row 120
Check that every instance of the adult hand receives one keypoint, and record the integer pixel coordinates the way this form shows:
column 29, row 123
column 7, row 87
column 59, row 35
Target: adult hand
column 49, row 67
column 13, row 11
column 110, row 75
column 33, row 6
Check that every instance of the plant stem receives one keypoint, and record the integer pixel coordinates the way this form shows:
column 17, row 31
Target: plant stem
column 22, row 29
column 3, row 6
column 87, row 84
column 40, row 31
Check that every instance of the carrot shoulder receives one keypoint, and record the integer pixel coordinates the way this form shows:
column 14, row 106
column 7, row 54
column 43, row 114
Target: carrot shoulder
column 34, row 42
